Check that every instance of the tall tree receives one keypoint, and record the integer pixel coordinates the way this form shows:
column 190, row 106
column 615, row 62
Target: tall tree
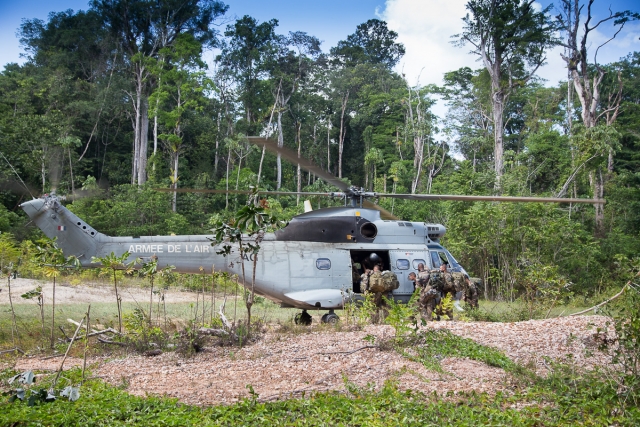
column 293, row 65
column 244, row 56
column 372, row 43
column 182, row 91
column 142, row 28
column 587, row 78
column 355, row 61
column 510, row 37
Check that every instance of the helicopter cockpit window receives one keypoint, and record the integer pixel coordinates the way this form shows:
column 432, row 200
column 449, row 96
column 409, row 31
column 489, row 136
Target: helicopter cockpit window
column 438, row 258
column 323, row 263
column 402, row 264
column 419, row 261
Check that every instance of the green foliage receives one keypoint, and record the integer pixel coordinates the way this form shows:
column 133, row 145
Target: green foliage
column 361, row 312
column 562, row 398
column 433, row 345
column 140, row 335
column 131, row 211
column 402, row 317
column 543, row 288
column 625, row 347
column 9, row 253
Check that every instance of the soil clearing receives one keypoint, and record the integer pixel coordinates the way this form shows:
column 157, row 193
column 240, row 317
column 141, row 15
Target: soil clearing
column 285, row 365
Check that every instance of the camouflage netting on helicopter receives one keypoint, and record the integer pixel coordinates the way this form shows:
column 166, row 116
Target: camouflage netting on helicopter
column 386, row 281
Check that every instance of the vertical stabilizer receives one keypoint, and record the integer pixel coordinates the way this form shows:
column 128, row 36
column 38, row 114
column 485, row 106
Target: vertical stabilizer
column 74, row 236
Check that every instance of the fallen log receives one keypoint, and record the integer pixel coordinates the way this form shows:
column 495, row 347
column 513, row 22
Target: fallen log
column 105, row 341
column 214, row 332
column 225, row 322
column 94, row 333
column 17, row 350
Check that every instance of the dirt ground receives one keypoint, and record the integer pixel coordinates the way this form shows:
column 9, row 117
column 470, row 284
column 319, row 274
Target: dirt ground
column 69, row 294
column 290, row 365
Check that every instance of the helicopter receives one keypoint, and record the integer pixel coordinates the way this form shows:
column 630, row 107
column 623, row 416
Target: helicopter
column 313, row 263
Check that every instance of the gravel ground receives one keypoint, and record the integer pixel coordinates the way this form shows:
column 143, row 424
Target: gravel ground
column 282, row 366
column 289, row 365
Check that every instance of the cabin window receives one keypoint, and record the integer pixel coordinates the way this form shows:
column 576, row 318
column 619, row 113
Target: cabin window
column 402, row 264
column 323, row 263
column 419, row 261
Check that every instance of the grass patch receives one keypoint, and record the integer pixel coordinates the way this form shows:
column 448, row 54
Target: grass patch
column 560, row 400
column 433, row 345
column 517, row 311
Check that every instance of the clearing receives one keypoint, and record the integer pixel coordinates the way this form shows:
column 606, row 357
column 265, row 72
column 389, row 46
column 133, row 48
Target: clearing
column 283, row 365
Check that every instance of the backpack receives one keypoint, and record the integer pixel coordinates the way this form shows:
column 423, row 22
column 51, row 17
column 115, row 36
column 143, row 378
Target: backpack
column 458, row 281
column 376, row 284
column 390, row 281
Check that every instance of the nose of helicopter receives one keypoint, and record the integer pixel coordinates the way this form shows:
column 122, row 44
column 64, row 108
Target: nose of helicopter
column 33, row 207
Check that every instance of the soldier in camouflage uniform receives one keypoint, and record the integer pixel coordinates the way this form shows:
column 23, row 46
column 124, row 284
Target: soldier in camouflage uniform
column 471, row 292
column 426, row 293
column 446, row 285
column 364, row 281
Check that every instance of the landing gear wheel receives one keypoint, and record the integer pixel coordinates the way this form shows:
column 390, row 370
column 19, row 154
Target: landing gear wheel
column 330, row 317
column 303, row 318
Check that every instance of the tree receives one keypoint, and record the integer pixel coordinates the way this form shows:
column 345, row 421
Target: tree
column 587, row 81
column 115, row 263
column 291, row 68
column 511, row 38
column 142, row 28
column 246, row 231
column 372, row 43
column 181, row 93
column 357, row 61
column 53, row 261
column 9, row 255
column 244, row 57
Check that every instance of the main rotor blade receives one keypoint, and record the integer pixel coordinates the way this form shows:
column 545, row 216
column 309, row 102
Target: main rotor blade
column 213, row 191
column 489, row 198
column 384, row 214
column 305, row 164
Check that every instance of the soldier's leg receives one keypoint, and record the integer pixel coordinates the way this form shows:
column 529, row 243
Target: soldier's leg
column 474, row 299
column 429, row 308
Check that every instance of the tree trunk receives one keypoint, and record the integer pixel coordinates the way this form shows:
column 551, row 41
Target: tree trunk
column 144, row 142
column 498, row 132
column 217, row 156
column 280, row 144
column 345, row 100
column 299, row 171
column 53, row 312
column 176, row 158
column 328, row 145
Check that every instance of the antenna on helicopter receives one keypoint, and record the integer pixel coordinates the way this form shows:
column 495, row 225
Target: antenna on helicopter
column 307, row 206
column 17, row 174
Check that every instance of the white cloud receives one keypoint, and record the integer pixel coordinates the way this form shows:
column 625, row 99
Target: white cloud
column 425, row 28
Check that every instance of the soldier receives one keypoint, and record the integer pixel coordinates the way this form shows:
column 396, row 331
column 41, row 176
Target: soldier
column 364, row 281
column 377, row 300
column 471, row 292
column 446, row 286
column 426, row 295
column 423, row 275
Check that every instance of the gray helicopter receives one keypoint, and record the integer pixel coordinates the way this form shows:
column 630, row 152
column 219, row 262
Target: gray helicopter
column 314, row 262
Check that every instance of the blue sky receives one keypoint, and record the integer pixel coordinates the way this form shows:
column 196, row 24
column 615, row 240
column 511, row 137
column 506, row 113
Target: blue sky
column 424, row 26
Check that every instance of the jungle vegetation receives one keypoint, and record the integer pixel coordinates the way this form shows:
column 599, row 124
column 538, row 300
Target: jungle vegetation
column 119, row 99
